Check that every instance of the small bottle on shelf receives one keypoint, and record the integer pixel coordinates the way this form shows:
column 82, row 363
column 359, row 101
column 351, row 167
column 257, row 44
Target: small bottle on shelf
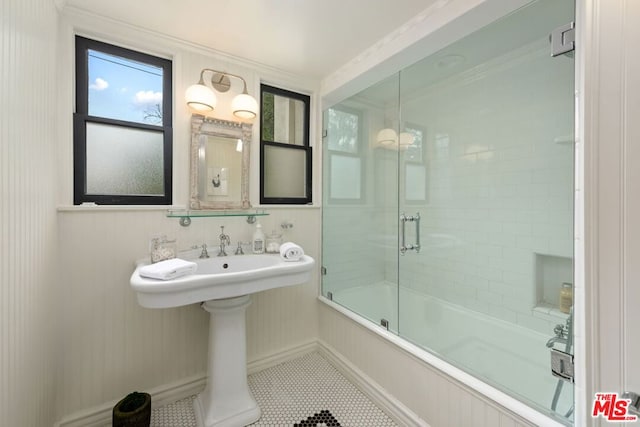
column 257, row 244
column 566, row 297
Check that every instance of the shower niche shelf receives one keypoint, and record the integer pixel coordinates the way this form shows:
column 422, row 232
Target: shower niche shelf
column 551, row 272
column 186, row 215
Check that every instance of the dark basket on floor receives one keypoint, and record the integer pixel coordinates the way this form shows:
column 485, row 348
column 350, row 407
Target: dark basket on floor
column 133, row 411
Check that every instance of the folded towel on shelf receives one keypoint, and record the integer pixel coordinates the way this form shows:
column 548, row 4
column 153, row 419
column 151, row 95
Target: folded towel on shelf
column 168, row 269
column 291, row 252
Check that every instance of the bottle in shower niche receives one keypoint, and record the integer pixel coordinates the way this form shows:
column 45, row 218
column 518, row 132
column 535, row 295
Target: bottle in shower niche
column 257, row 244
column 566, row 297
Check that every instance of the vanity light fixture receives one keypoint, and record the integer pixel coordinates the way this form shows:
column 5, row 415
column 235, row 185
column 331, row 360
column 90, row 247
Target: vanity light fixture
column 202, row 98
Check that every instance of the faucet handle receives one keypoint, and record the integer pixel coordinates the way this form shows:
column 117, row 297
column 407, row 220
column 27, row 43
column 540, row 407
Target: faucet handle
column 239, row 250
column 224, row 238
column 204, row 253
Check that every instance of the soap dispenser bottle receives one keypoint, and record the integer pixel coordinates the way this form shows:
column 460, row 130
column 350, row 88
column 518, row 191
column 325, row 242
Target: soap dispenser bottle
column 257, row 244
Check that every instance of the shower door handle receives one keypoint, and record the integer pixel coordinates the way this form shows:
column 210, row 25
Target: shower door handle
column 404, row 246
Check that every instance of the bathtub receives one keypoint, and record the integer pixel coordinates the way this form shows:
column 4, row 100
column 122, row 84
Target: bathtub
column 507, row 357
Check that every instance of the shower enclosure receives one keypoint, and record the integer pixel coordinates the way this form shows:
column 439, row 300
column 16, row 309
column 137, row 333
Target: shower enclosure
column 448, row 205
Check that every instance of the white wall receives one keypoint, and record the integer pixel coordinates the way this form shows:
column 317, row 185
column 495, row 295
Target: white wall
column 612, row 192
column 109, row 344
column 27, row 212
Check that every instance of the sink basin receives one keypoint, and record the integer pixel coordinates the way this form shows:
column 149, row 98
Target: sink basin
column 224, row 286
column 222, row 277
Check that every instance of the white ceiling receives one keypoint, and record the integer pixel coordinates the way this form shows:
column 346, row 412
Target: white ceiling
column 311, row 38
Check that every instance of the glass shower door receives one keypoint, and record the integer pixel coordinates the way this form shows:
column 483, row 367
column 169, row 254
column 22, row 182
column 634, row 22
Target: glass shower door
column 360, row 204
column 486, row 204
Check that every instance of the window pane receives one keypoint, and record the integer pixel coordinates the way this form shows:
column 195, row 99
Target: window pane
column 283, row 119
column 416, row 182
column 124, row 161
column 414, row 151
column 124, row 89
column 343, row 131
column 285, row 172
column 345, row 177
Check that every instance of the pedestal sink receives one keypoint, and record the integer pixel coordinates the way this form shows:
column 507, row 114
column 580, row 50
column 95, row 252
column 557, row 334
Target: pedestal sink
column 224, row 286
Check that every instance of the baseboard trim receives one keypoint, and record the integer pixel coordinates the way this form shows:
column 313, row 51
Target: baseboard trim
column 289, row 353
column 400, row 413
column 100, row 416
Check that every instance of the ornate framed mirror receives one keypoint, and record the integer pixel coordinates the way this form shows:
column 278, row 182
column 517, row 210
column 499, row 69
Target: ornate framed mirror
column 220, row 151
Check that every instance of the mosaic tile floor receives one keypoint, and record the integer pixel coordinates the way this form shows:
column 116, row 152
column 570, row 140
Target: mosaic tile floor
column 304, row 392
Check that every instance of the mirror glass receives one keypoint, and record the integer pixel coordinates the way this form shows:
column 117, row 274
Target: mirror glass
column 219, row 164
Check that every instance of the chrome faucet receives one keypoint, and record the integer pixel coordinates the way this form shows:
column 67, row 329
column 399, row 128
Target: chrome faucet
column 225, row 240
column 239, row 250
column 204, row 253
column 557, row 339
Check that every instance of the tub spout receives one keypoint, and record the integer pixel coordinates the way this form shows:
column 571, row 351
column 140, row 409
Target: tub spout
column 561, row 334
column 556, row 339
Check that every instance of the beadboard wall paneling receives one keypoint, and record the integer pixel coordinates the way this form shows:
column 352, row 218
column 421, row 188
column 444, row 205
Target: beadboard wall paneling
column 112, row 346
column 27, row 213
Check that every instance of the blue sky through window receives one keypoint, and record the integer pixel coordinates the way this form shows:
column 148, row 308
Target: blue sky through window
column 123, row 89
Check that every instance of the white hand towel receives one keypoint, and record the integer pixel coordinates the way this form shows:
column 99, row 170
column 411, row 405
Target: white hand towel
column 291, row 252
column 168, row 269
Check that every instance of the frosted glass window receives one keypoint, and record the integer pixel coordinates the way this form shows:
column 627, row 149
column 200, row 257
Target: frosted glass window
column 285, row 172
column 345, row 177
column 124, row 161
column 285, row 152
column 122, row 126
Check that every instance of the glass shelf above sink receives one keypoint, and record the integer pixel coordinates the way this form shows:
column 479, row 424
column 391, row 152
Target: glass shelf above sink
column 186, row 215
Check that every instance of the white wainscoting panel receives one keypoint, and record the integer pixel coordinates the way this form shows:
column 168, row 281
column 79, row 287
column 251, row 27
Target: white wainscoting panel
column 27, row 212
column 111, row 346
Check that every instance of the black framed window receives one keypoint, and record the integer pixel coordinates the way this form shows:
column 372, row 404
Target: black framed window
column 122, row 126
column 285, row 153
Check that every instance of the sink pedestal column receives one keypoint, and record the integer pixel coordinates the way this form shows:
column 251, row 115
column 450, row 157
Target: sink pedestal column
column 226, row 401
